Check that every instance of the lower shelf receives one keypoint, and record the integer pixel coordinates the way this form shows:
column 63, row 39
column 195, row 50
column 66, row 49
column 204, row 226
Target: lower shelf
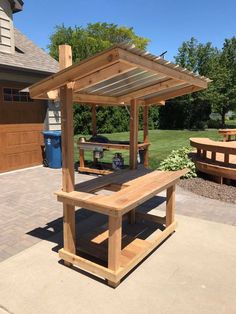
column 94, row 170
column 134, row 250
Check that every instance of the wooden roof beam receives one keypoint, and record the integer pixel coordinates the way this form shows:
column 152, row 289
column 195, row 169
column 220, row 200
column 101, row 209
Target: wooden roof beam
column 95, row 99
column 150, row 90
column 172, row 94
column 155, row 67
column 74, row 73
column 102, row 75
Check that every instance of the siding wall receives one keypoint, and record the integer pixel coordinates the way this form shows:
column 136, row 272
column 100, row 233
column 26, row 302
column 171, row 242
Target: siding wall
column 53, row 118
column 7, row 43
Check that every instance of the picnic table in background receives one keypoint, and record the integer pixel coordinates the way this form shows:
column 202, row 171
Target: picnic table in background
column 227, row 133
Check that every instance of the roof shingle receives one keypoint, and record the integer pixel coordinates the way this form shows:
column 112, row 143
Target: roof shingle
column 33, row 58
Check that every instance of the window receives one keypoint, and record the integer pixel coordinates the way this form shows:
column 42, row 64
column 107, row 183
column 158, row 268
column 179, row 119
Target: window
column 13, row 94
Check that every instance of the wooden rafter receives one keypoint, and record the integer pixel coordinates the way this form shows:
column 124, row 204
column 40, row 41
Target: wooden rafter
column 172, row 94
column 71, row 74
column 102, row 75
column 95, row 99
column 150, row 89
column 150, row 65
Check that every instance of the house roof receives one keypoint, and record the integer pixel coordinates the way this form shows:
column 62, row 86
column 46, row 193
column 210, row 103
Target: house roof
column 28, row 56
column 120, row 74
column 17, row 5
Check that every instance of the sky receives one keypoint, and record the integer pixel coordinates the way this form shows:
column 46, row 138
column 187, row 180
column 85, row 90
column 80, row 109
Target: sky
column 166, row 23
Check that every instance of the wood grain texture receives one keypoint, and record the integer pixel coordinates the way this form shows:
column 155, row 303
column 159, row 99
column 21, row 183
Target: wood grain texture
column 145, row 135
column 133, row 150
column 215, row 158
column 170, row 205
column 67, row 135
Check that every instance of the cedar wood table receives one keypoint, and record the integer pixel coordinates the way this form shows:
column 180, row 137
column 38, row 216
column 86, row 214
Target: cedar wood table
column 110, row 79
column 130, row 189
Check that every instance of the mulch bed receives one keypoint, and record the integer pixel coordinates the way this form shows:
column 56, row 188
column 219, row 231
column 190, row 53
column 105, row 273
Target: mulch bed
column 210, row 189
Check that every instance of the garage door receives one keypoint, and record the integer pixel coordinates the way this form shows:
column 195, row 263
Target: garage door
column 21, row 124
column 20, row 146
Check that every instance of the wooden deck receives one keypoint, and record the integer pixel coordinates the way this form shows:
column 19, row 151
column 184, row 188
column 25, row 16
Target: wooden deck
column 215, row 158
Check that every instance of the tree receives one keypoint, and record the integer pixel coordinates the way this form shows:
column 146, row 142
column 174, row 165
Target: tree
column 190, row 111
column 218, row 65
column 86, row 42
column 222, row 91
column 94, row 38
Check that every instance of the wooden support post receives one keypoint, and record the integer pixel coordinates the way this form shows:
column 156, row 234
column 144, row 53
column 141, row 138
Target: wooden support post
column 145, row 134
column 226, row 158
column 81, row 158
column 114, row 246
column 133, row 134
column 65, row 56
column 170, row 205
column 94, row 120
column 94, row 128
column 204, row 154
column 133, row 150
column 213, row 156
column 66, row 98
column 218, row 179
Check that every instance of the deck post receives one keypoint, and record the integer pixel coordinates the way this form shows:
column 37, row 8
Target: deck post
column 67, row 137
column 145, row 134
column 133, row 150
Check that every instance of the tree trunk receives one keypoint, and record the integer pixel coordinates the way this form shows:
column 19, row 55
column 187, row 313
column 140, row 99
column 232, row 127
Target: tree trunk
column 223, row 113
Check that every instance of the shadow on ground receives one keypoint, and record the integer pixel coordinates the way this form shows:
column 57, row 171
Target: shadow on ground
column 92, row 219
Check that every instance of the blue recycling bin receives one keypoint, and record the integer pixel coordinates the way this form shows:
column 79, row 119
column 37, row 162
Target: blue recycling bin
column 52, row 140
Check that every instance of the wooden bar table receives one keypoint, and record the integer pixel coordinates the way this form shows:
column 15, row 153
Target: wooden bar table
column 130, row 188
column 119, row 76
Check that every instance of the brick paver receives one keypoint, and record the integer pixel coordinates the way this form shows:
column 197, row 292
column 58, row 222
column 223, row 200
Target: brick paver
column 30, row 212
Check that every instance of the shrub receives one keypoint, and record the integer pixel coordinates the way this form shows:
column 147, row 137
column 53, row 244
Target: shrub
column 213, row 124
column 179, row 159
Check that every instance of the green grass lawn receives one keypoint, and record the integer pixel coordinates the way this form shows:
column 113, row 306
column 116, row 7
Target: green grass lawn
column 231, row 124
column 162, row 143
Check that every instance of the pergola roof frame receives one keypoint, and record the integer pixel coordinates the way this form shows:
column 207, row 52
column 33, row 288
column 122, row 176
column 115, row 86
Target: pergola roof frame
column 120, row 74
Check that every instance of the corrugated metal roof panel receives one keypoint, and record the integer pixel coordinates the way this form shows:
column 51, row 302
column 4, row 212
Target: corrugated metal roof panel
column 125, row 83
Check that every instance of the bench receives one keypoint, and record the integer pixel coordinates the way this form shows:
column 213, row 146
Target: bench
column 128, row 189
column 227, row 134
column 215, row 158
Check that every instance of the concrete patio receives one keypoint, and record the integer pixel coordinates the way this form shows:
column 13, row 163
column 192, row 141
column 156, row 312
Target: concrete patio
column 192, row 272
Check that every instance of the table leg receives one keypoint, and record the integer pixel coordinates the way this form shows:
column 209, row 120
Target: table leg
column 69, row 230
column 170, row 205
column 81, row 158
column 114, row 246
column 131, row 216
